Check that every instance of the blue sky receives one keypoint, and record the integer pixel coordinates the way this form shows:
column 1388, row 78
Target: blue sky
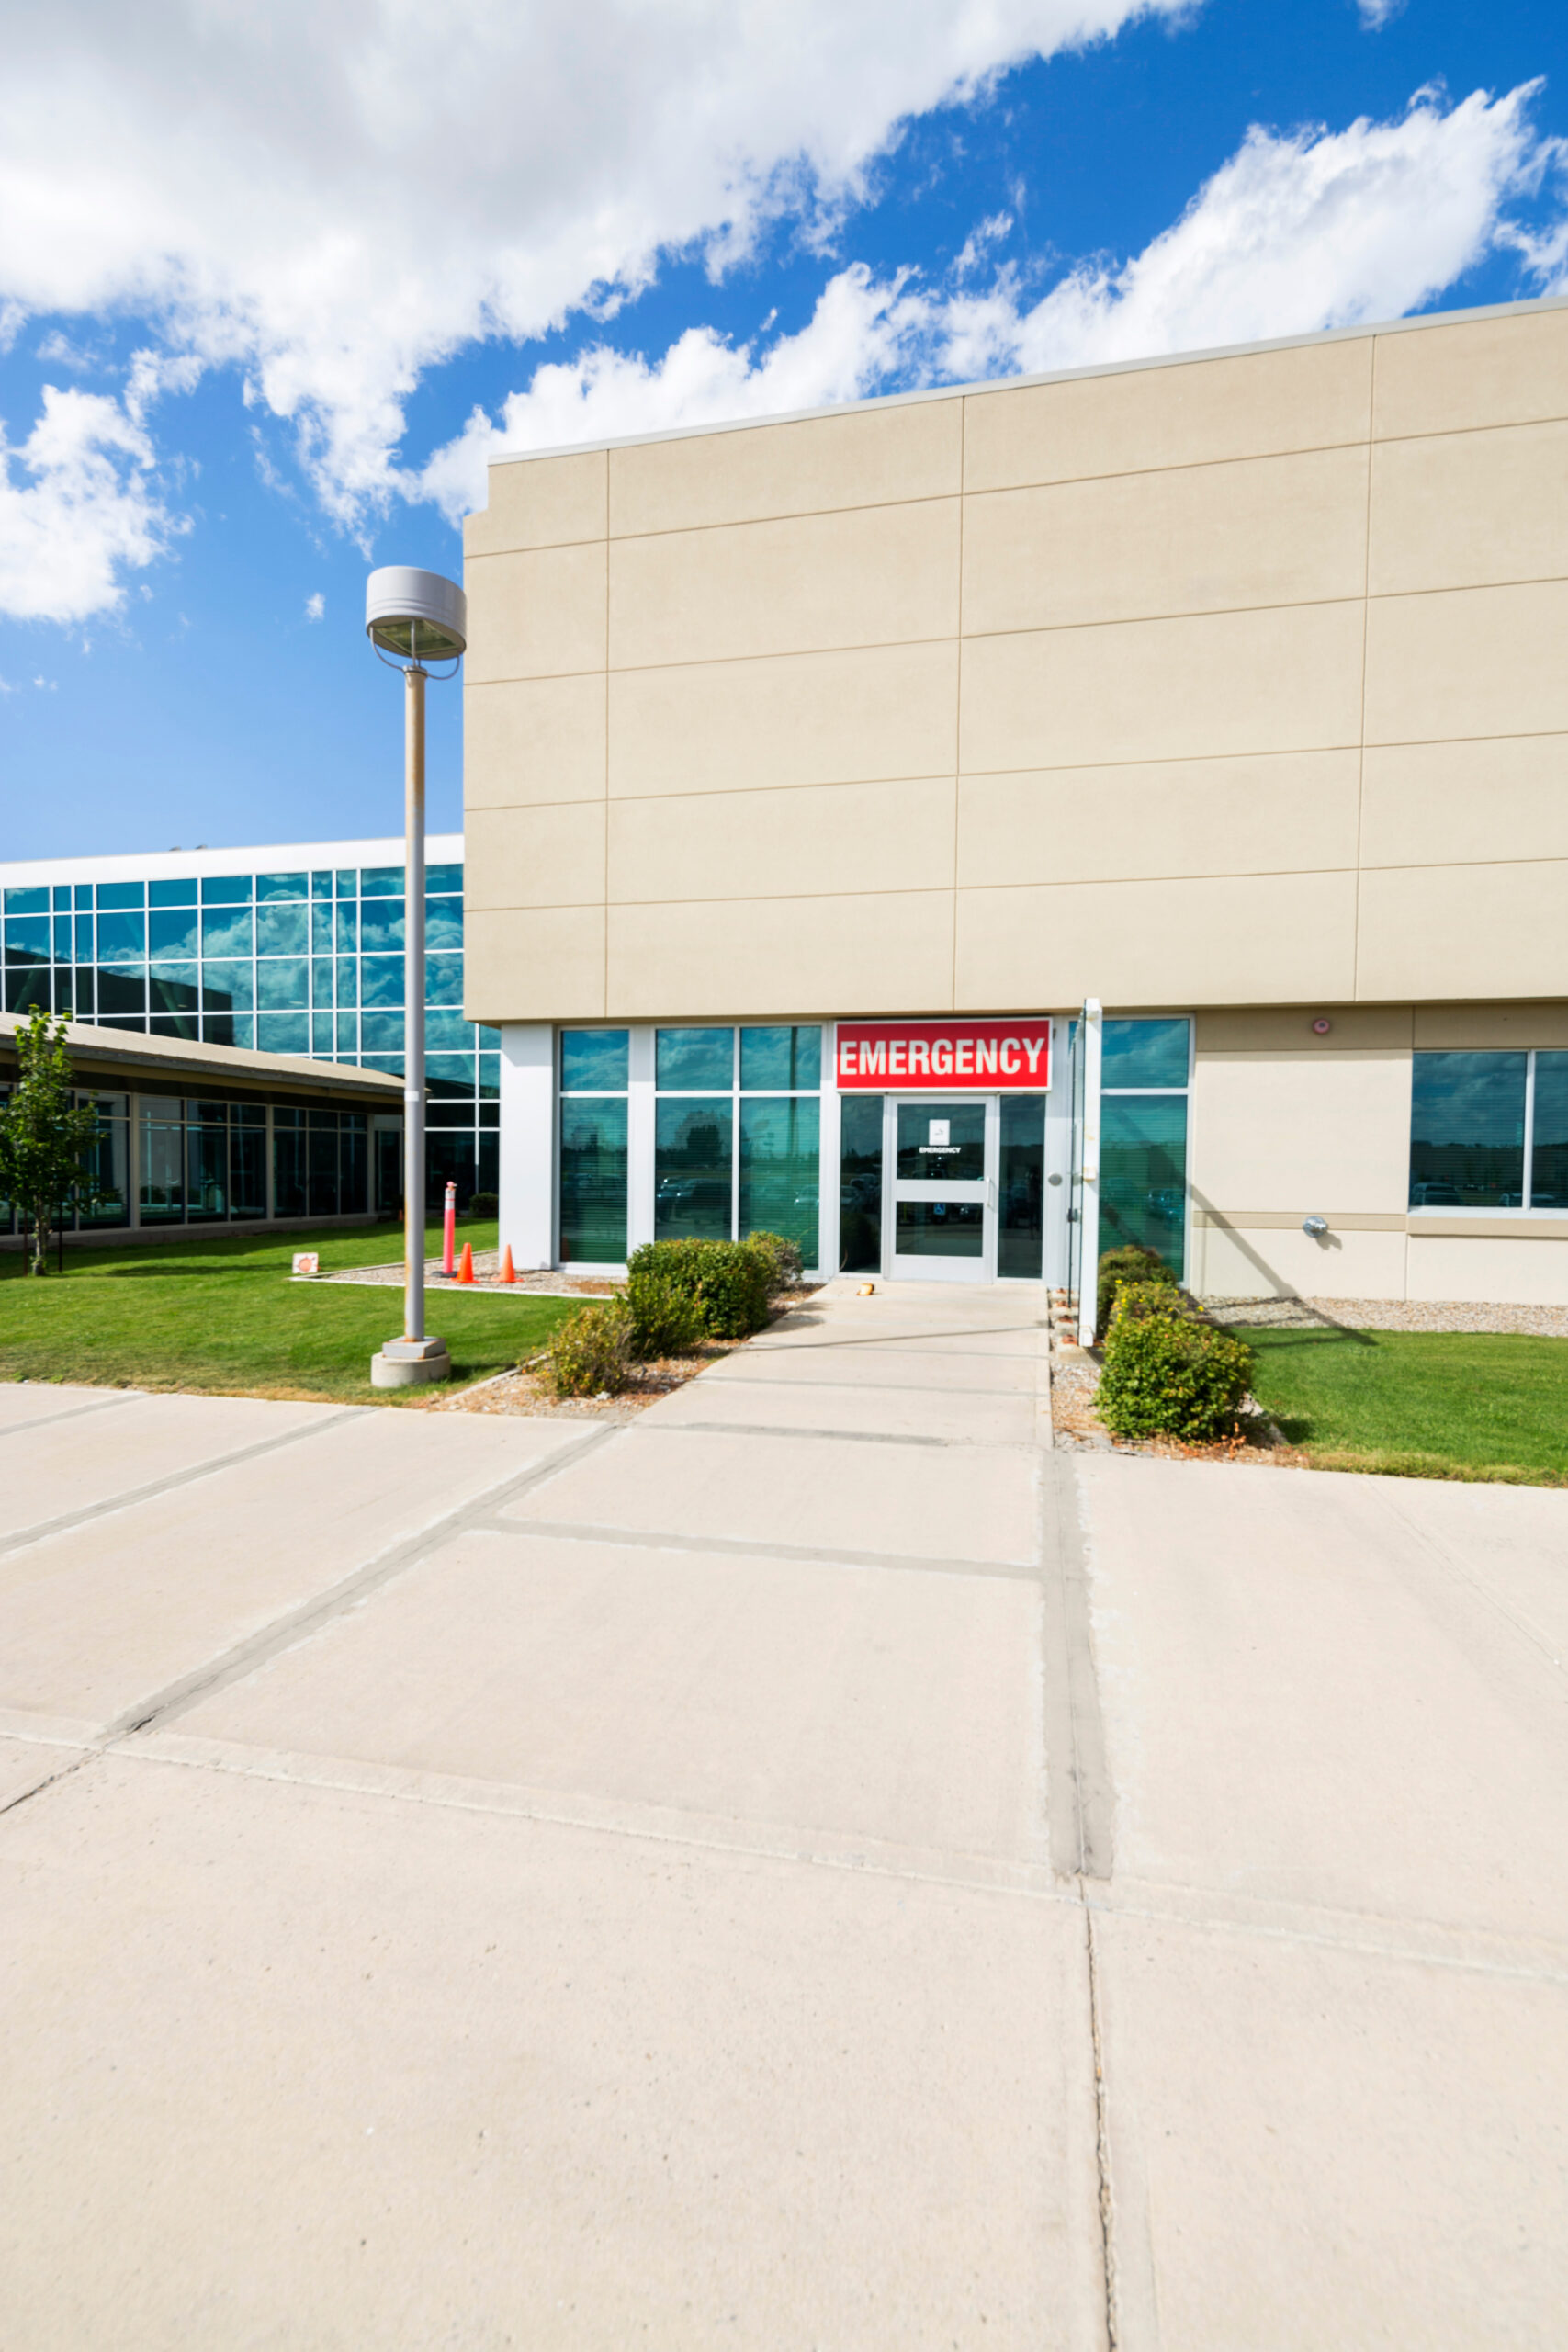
column 272, row 290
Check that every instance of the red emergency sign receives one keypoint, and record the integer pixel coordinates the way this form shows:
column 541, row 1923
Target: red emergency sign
column 970, row 1057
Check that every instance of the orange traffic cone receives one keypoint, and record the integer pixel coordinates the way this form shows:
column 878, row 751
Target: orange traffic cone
column 508, row 1271
column 466, row 1270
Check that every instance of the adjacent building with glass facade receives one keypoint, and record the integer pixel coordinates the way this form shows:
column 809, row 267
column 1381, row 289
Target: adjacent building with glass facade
column 195, row 1134
column 819, row 773
column 283, row 950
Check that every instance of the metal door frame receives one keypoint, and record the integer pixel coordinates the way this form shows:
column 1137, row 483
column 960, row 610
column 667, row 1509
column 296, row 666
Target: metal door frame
column 985, row 1188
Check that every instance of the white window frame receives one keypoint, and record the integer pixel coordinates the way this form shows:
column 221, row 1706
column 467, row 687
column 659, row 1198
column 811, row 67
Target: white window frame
column 1526, row 1206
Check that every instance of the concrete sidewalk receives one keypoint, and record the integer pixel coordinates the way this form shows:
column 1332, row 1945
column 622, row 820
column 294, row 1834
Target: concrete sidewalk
column 812, row 1868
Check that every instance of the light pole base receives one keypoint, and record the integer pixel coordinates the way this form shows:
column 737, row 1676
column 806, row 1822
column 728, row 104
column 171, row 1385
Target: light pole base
column 404, row 1363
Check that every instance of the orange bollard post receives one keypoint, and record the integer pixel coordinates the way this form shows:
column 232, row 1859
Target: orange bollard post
column 466, row 1270
column 508, row 1271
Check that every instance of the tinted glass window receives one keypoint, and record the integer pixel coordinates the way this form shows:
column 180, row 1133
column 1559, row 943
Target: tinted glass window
column 1467, row 1131
column 172, row 933
column 122, row 938
column 1022, row 1229
column 1143, row 1053
column 691, row 1169
column 221, row 891
column 283, row 987
column 859, row 1183
column 1143, row 1174
column 594, row 1182
column 168, row 894
column 120, row 896
column 26, row 902
column 593, row 1062
column 786, row 1058
column 282, row 886
column 695, row 1059
column 382, row 923
column 224, row 931
column 1549, row 1157
column 779, row 1162
column 282, row 930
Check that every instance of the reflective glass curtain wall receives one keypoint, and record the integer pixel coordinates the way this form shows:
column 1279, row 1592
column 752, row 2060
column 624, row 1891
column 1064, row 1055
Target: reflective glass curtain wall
column 301, row 962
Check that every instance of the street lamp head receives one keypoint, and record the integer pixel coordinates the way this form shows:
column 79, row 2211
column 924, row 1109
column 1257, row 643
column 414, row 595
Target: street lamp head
column 417, row 616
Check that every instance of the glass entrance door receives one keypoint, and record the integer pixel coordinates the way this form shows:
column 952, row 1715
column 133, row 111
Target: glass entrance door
column 943, row 1158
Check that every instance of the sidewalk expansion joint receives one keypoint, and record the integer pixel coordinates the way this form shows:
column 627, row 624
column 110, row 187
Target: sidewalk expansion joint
column 838, row 1437
column 133, row 1496
column 297, row 1625
column 72, row 1413
column 832, row 1555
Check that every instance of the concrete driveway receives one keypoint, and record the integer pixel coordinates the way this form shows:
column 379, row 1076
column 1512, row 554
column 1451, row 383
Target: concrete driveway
column 814, row 1868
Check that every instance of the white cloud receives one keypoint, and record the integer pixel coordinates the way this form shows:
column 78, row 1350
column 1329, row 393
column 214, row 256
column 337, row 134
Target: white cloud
column 315, row 606
column 1299, row 231
column 1376, row 14
column 77, row 507
column 336, row 199
column 1296, row 232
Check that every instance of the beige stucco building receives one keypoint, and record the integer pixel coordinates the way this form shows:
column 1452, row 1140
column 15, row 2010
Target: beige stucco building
column 1229, row 691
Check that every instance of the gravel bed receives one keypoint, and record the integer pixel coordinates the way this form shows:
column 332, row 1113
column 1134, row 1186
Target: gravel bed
column 1389, row 1315
column 487, row 1276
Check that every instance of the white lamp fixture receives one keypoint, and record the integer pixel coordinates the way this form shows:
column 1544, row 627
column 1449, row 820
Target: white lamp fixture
column 412, row 617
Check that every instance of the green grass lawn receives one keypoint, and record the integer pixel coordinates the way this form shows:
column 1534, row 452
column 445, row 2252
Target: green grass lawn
column 222, row 1316
column 1420, row 1404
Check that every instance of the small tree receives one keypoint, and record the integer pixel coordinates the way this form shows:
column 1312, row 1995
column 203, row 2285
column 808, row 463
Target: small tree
column 44, row 1141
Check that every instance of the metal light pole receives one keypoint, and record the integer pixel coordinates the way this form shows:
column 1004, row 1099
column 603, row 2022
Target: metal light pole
column 411, row 617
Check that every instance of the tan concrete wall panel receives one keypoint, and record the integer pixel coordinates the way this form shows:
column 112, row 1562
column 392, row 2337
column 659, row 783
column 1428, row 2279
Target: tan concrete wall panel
column 1479, row 801
column 1463, row 930
column 541, row 502
column 793, row 718
column 1469, row 1027
column 551, row 856
column 1279, row 938
column 1469, row 662
column 535, row 964
column 1267, row 1030
column 1534, row 1273
column 537, row 615
column 1466, row 510
column 1196, row 540
column 1293, row 1265
column 866, row 457
column 876, row 576
column 1192, row 413
column 1452, row 378
column 1273, row 814
column 1275, row 1131
column 813, row 839
column 534, row 739
column 1215, row 685
column 770, row 957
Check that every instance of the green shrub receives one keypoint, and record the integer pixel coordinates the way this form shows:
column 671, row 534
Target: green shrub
column 666, row 1319
column 592, row 1351
column 1131, row 1264
column 729, row 1280
column 783, row 1255
column 1169, row 1374
column 482, row 1204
